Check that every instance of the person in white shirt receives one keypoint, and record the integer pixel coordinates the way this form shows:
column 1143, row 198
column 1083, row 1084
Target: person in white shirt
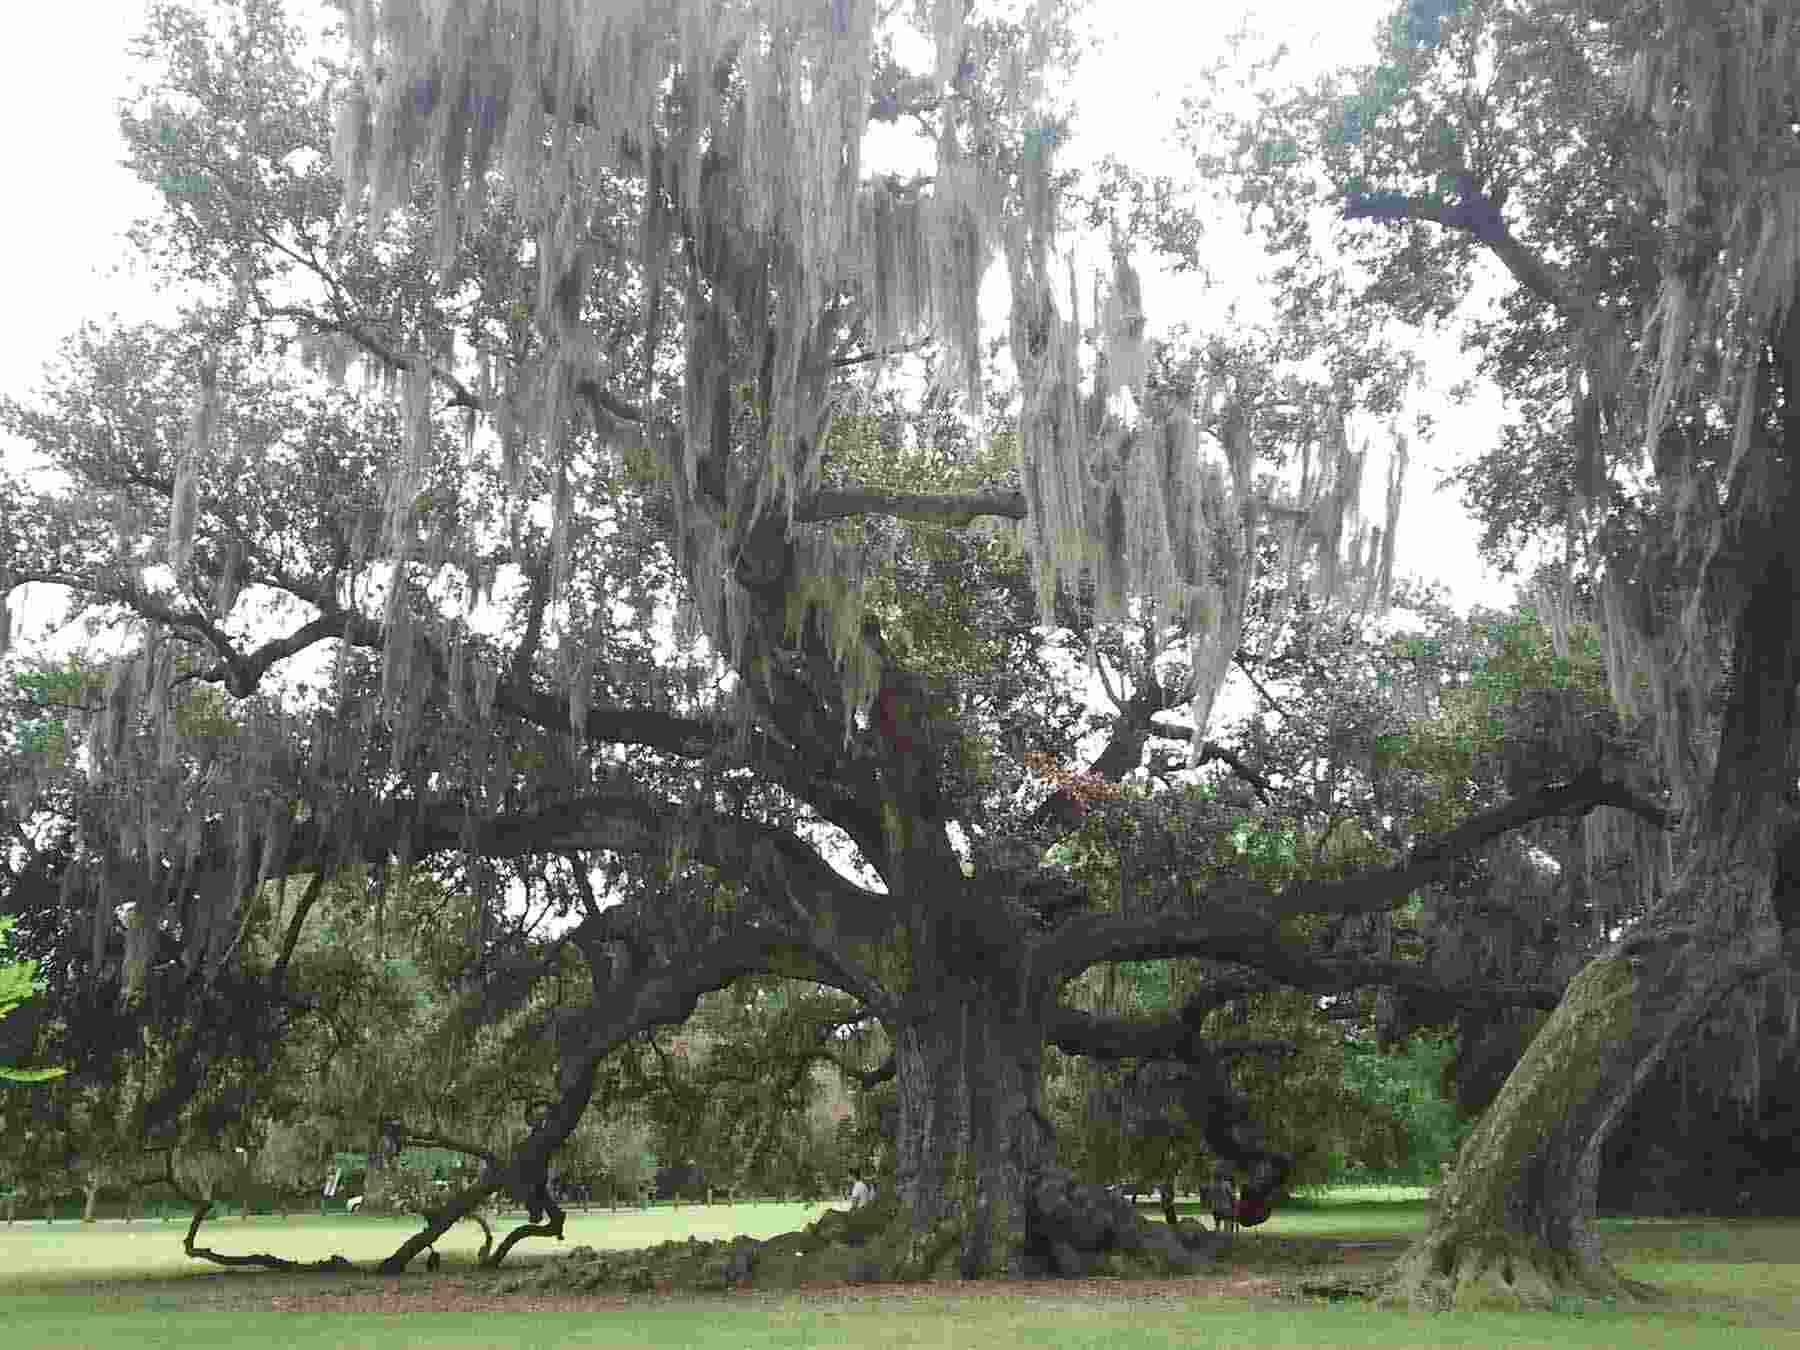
column 861, row 1193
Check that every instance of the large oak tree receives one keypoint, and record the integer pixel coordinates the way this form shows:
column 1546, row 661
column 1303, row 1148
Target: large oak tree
column 633, row 254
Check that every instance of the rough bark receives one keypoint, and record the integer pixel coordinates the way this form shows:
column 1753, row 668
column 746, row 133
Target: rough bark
column 1515, row 1223
column 972, row 1135
column 977, row 1192
column 202, row 1207
column 1165, row 1192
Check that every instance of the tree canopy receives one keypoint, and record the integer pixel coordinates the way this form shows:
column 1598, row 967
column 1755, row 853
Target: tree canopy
column 622, row 591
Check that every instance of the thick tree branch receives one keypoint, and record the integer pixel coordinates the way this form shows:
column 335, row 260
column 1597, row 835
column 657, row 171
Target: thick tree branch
column 537, row 575
column 203, row 1207
column 1257, row 684
column 590, row 903
column 799, row 697
column 867, row 1078
column 1212, row 750
column 1477, row 214
column 1433, row 860
column 433, row 1139
column 123, row 591
column 605, row 927
column 1098, row 1036
column 665, row 996
column 241, row 673
column 1330, row 975
column 1282, row 962
column 839, row 363
column 848, row 974
column 627, row 821
column 1225, row 986
column 461, row 395
column 1238, row 919
column 950, row 508
column 278, row 975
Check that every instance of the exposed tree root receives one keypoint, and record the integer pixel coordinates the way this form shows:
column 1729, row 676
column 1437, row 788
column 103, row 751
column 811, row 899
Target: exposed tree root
column 264, row 1260
column 487, row 1237
column 551, row 1228
column 467, row 1206
column 1501, row 1271
column 1084, row 1233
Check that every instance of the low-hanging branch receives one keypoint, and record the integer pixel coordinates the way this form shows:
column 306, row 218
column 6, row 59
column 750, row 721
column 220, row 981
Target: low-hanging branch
column 664, row 996
column 262, row 1260
column 202, row 1207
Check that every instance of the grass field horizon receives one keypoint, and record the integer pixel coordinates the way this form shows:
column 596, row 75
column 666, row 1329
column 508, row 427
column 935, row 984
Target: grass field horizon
column 153, row 1246
column 114, row 1284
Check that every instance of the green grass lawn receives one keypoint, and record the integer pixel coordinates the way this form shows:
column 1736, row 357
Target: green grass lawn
column 104, row 1285
column 1348, row 1213
column 34, row 1252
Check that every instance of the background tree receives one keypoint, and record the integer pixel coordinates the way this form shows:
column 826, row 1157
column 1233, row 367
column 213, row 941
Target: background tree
column 1614, row 163
column 293, row 1161
column 614, row 1149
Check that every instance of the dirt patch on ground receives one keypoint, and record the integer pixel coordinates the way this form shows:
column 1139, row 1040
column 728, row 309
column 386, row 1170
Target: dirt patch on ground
column 1370, row 1253
column 404, row 1295
column 1255, row 1268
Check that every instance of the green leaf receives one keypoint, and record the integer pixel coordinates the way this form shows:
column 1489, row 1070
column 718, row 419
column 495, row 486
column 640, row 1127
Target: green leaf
column 18, row 982
column 29, row 1075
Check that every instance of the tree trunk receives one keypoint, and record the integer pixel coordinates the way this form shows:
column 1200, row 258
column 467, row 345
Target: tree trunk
column 377, row 1181
column 971, row 1134
column 1515, row 1223
column 90, row 1195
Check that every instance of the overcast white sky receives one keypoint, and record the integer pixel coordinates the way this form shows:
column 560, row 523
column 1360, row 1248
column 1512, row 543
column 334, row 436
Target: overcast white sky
column 64, row 260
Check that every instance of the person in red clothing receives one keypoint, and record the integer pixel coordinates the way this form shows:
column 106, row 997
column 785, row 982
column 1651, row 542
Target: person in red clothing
column 1252, row 1209
column 1256, row 1199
